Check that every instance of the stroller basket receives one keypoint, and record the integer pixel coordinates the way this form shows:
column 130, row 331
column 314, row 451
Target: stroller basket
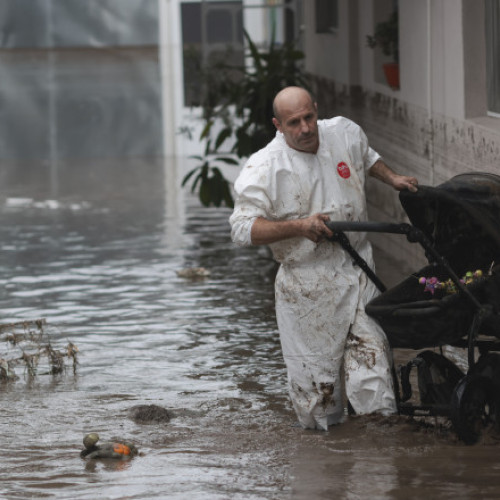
column 460, row 218
column 414, row 319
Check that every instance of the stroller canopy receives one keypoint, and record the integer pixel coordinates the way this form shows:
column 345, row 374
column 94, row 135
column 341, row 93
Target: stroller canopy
column 461, row 218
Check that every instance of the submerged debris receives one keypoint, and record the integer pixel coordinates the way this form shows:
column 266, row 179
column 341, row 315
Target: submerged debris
column 28, row 343
column 121, row 450
column 148, row 414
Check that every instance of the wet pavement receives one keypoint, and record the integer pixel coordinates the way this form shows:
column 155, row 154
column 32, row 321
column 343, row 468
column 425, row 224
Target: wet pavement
column 101, row 267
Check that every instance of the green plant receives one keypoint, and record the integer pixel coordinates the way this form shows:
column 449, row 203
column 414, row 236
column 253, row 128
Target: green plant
column 267, row 73
column 213, row 187
column 386, row 37
column 243, row 104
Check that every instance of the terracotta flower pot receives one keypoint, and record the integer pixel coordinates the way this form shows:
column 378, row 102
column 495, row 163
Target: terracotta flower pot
column 391, row 71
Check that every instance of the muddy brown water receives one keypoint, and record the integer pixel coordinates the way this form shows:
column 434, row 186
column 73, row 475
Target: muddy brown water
column 101, row 268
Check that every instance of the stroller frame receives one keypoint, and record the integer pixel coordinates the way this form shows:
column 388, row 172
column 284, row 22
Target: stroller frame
column 471, row 400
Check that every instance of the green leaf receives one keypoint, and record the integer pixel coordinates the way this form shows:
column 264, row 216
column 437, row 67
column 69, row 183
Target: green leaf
column 216, row 191
column 244, row 144
column 206, row 129
column 196, row 181
column 229, row 161
column 223, row 135
column 254, row 52
column 189, row 175
column 205, row 192
column 204, row 169
column 217, row 174
column 207, row 147
column 228, row 198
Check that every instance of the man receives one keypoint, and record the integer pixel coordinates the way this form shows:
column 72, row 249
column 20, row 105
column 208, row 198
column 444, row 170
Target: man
column 311, row 172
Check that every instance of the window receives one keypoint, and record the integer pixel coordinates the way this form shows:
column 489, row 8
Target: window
column 327, row 16
column 219, row 26
column 212, row 33
column 492, row 8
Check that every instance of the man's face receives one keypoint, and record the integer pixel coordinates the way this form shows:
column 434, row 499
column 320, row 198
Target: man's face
column 299, row 125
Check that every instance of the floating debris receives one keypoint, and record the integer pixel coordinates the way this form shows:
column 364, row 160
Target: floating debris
column 193, row 272
column 121, row 450
column 28, row 343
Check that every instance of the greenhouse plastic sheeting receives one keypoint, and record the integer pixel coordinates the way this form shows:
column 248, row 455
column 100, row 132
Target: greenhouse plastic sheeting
column 81, row 23
column 79, row 80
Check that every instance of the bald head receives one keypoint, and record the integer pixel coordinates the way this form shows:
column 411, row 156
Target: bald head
column 289, row 99
column 296, row 117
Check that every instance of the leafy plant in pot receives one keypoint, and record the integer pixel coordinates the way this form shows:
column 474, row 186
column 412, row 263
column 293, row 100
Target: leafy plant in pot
column 386, row 37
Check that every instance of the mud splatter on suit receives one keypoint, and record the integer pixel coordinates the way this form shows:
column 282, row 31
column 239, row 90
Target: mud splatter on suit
column 320, row 295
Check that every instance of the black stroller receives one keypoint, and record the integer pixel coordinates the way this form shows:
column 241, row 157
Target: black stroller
column 454, row 301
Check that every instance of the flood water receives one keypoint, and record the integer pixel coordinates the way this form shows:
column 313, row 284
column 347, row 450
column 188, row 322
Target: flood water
column 101, row 267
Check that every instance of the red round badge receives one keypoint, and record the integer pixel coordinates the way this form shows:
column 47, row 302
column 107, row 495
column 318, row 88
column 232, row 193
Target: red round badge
column 343, row 170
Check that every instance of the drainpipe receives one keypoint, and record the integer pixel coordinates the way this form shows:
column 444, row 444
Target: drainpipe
column 429, row 93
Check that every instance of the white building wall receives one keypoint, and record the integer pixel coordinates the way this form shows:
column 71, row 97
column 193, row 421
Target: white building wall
column 328, row 54
column 436, row 125
column 446, row 58
column 414, row 54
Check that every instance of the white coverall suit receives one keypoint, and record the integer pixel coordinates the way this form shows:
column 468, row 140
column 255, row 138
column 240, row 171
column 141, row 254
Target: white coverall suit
column 320, row 294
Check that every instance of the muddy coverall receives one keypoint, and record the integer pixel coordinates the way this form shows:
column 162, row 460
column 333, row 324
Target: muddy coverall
column 320, row 294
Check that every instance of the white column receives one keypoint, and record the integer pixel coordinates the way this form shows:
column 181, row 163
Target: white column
column 172, row 113
column 169, row 48
column 52, row 108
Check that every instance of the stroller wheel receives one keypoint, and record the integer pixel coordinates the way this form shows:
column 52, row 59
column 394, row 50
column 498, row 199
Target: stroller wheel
column 475, row 407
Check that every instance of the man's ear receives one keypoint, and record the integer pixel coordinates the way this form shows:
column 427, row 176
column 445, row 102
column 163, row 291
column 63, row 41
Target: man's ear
column 277, row 124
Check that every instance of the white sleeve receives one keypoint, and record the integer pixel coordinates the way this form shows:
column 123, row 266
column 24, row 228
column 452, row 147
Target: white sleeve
column 251, row 201
column 364, row 156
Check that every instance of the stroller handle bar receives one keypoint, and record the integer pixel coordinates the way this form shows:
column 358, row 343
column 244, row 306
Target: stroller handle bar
column 371, row 227
column 413, row 234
